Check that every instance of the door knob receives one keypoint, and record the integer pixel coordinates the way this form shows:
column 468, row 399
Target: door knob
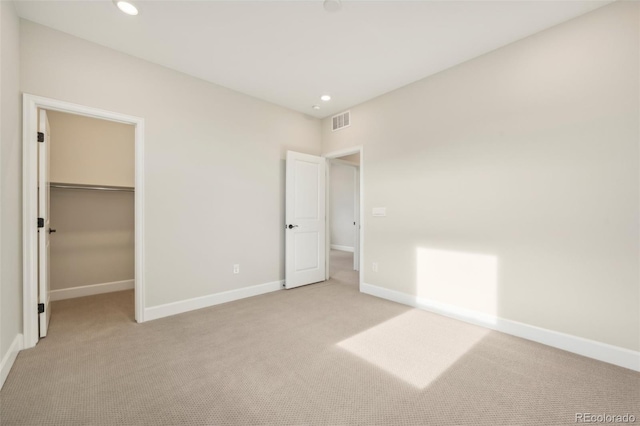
column 51, row 231
column 292, row 226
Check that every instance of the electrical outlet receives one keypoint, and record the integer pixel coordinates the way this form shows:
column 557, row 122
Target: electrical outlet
column 236, row 269
column 374, row 266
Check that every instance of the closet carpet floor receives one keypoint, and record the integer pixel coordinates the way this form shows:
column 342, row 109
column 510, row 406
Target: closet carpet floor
column 322, row 354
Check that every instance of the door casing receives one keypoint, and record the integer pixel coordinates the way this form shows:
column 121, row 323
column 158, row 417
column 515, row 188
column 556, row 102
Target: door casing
column 30, row 106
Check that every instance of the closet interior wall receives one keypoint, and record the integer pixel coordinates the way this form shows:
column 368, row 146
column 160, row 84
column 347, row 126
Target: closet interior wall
column 94, row 239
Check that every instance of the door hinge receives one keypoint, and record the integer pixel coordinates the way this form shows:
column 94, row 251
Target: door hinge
column 40, row 222
column 40, row 137
column 40, row 308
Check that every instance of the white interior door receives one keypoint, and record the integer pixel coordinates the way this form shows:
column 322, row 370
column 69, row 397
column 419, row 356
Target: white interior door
column 305, row 240
column 44, row 231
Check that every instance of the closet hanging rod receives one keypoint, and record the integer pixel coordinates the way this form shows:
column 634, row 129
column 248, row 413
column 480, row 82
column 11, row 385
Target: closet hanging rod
column 91, row 187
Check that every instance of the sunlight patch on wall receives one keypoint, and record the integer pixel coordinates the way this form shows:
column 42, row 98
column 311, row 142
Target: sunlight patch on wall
column 416, row 347
column 464, row 280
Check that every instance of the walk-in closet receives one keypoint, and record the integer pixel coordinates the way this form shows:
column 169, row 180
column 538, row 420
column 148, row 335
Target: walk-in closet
column 91, row 209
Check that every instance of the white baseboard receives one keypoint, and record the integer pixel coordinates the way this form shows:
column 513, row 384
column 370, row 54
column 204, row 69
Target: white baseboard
column 590, row 348
column 90, row 290
column 182, row 306
column 9, row 358
column 341, row 248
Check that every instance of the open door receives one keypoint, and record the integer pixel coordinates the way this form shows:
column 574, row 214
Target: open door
column 44, row 229
column 305, row 239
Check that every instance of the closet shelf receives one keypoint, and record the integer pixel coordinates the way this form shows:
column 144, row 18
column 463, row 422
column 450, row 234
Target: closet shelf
column 91, row 187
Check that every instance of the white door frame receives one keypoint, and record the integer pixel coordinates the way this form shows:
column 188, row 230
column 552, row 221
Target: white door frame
column 30, row 105
column 359, row 149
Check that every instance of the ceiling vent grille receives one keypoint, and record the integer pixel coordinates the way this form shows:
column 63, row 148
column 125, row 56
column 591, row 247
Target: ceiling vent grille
column 341, row 121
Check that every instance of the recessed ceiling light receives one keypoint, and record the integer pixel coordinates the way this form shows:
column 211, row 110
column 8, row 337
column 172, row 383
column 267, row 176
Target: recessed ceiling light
column 316, row 107
column 332, row 5
column 127, row 7
column 325, row 98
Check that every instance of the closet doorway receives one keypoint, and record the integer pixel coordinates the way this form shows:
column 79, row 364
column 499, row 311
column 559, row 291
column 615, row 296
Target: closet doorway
column 82, row 207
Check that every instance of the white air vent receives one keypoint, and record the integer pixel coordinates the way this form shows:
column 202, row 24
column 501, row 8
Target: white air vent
column 341, row 121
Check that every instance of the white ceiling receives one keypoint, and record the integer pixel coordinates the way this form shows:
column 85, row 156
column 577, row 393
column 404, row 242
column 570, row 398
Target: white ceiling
column 291, row 52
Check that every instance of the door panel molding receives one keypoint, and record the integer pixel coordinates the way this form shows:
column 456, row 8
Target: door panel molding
column 305, row 216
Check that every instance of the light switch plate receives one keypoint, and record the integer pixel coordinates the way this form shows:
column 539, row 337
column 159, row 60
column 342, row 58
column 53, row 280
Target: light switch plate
column 379, row 211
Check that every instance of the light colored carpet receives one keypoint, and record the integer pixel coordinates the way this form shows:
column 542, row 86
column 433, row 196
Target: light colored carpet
column 322, row 354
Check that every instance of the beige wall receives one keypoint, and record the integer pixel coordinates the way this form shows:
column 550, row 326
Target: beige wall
column 214, row 162
column 11, row 179
column 94, row 239
column 520, row 166
column 94, row 242
column 90, row 151
column 353, row 158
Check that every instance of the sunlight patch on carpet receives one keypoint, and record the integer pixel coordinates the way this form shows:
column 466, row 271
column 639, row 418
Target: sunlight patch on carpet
column 416, row 347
